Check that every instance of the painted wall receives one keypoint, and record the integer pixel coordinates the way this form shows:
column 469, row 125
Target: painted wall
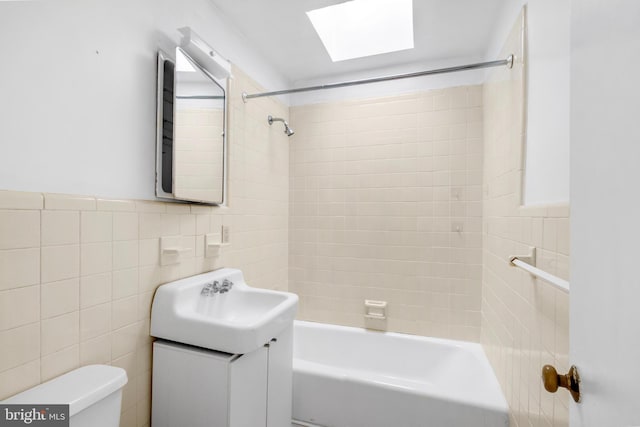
column 547, row 147
column 378, row 190
column 525, row 322
column 78, row 89
column 78, row 274
column 605, row 210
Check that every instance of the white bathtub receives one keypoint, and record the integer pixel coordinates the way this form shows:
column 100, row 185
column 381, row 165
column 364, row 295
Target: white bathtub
column 351, row 377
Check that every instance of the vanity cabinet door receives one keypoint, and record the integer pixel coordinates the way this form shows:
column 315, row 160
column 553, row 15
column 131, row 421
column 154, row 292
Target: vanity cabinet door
column 248, row 389
column 261, row 385
column 279, row 411
column 190, row 386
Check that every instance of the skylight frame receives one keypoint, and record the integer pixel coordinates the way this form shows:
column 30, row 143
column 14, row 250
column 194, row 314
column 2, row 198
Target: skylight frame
column 361, row 28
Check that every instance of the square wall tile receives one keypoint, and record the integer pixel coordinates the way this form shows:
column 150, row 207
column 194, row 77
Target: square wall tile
column 170, row 224
column 60, row 228
column 60, row 297
column 149, row 252
column 96, row 351
column 23, row 344
column 16, row 380
column 124, row 312
column 150, row 225
column 19, row 229
column 95, row 289
column 19, row 268
column 60, row 362
column 125, row 226
column 60, row 332
column 95, row 321
column 187, row 225
column 124, row 340
column 125, row 283
column 60, row 262
column 96, row 227
column 19, row 307
column 125, row 254
column 96, row 258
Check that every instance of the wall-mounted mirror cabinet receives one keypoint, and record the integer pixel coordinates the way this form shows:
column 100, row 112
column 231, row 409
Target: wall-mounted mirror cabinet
column 191, row 142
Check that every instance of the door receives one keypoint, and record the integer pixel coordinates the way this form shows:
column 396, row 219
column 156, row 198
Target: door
column 605, row 211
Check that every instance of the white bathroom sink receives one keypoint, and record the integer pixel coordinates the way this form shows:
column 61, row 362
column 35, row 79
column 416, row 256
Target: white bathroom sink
column 193, row 311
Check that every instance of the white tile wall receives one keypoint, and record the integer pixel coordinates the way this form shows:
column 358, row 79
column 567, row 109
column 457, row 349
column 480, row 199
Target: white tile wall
column 525, row 322
column 377, row 189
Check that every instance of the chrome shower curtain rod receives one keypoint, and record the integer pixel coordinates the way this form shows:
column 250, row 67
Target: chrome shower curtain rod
column 508, row 62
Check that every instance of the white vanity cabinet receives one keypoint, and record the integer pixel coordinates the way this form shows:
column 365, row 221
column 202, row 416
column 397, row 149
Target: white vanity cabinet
column 224, row 354
column 197, row 387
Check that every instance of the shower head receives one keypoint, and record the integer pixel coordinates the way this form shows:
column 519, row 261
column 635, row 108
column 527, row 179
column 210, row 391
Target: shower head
column 287, row 130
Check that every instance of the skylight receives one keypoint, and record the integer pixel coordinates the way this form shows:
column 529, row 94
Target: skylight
column 360, row 28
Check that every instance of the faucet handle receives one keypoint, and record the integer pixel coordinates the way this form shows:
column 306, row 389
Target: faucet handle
column 212, row 288
column 226, row 286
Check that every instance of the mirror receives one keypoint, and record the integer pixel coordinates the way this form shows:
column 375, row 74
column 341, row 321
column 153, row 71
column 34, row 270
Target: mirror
column 191, row 143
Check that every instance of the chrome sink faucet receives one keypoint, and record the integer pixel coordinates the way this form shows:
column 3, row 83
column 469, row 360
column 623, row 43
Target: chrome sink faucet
column 210, row 289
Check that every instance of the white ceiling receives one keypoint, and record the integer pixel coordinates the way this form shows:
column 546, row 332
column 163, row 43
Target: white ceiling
column 456, row 30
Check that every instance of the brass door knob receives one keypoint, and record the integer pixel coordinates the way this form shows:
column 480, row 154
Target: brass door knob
column 570, row 381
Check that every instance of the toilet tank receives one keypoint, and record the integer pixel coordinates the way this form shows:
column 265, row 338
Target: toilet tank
column 93, row 393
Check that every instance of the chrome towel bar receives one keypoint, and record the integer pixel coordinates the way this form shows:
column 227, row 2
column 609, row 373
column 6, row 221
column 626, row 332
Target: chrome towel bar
column 518, row 261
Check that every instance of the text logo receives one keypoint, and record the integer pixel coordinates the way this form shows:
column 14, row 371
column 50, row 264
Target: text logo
column 34, row 415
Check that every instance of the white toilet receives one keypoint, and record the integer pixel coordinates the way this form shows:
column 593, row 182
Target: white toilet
column 93, row 393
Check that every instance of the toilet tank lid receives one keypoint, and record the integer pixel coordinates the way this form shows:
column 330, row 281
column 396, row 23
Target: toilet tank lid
column 79, row 388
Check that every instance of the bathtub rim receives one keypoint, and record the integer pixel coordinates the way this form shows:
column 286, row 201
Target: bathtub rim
column 474, row 346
